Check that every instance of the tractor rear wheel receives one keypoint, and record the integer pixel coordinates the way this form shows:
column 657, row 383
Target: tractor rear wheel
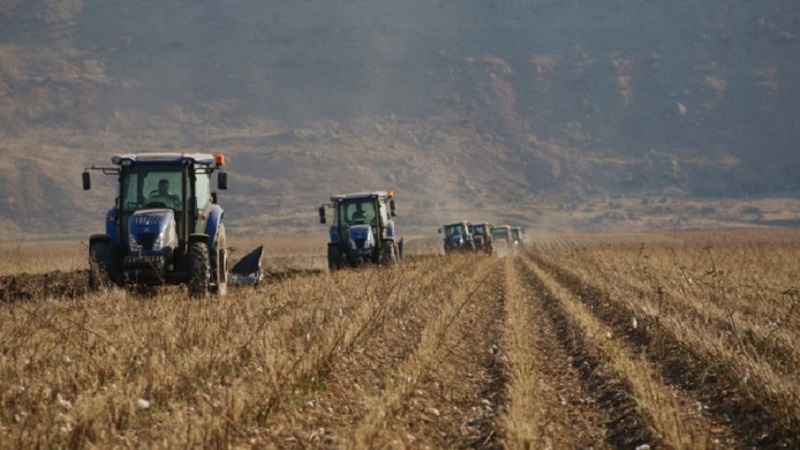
column 390, row 255
column 101, row 265
column 199, row 269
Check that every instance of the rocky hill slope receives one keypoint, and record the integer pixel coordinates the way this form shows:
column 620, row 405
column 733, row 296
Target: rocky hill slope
column 571, row 113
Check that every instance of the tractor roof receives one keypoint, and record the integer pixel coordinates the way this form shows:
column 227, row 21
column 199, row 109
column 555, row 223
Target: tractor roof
column 452, row 224
column 200, row 158
column 362, row 195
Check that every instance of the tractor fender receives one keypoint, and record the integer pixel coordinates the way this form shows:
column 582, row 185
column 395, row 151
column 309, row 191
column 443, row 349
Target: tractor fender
column 334, row 235
column 199, row 237
column 390, row 229
column 99, row 238
column 111, row 226
column 213, row 224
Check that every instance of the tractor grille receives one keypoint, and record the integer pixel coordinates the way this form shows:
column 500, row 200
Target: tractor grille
column 359, row 243
column 145, row 240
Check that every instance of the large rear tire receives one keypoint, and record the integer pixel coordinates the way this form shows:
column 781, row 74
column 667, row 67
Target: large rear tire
column 101, row 265
column 199, row 270
column 219, row 264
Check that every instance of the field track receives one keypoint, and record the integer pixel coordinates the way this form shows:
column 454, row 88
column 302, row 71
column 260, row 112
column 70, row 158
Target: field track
column 671, row 341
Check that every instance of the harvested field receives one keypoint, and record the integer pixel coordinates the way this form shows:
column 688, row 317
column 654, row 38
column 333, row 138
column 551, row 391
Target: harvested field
column 683, row 340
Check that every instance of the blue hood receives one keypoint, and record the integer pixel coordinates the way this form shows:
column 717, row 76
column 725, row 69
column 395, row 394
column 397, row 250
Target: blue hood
column 361, row 237
column 152, row 231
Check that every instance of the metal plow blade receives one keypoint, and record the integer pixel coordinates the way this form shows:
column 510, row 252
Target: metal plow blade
column 248, row 269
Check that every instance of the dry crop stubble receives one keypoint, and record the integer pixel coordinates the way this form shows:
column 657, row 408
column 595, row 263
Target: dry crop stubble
column 702, row 329
column 404, row 383
column 440, row 352
column 663, row 415
column 200, row 366
column 326, row 417
column 440, row 385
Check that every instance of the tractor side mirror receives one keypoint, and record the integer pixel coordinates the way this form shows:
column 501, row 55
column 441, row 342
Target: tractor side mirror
column 222, row 180
column 391, row 207
column 439, row 230
column 214, row 198
column 322, row 214
column 87, row 181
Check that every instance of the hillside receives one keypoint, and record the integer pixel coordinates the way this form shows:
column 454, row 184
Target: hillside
column 556, row 114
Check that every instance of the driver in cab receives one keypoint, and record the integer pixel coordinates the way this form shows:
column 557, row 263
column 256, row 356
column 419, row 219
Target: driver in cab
column 164, row 195
column 359, row 215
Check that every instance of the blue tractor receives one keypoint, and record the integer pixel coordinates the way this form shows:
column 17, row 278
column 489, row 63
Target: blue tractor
column 363, row 230
column 165, row 227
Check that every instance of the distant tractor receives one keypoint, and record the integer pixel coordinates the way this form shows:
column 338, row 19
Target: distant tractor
column 501, row 235
column 363, row 230
column 482, row 236
column 518, row 236
column 458, row 237
column 165, row 227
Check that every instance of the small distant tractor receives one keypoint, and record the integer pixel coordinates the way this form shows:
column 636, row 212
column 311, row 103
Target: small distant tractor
column 458, row 237
column 502, row 235
column 363, row 230
column 165, row 227
column 482, row 236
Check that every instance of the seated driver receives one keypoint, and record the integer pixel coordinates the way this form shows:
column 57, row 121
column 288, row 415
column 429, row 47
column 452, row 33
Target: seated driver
column 164, row 195
column 359, row 216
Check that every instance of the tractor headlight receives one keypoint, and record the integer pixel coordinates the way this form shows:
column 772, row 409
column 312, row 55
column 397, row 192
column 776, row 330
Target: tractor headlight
column 166, row 237
column 132, row 242
column 370, row 241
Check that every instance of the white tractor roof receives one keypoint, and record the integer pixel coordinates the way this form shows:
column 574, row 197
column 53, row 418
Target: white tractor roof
column 201, row 158
column 359, row 195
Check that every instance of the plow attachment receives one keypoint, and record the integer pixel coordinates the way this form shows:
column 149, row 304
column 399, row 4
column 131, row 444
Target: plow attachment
column 248, row 269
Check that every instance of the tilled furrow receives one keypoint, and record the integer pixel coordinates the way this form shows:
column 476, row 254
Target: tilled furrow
column 433, row 398
column 738, row 417
column 772, row 345
column 626, row 425
column 547, row 404
column 322, row 413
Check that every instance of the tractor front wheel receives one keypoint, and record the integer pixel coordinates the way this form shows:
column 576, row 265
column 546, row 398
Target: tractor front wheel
column 334, row 257
column 219, row 264
column 199, row 269
column 101, row 265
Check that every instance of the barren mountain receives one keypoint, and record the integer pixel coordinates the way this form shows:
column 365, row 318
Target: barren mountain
column 552, row 113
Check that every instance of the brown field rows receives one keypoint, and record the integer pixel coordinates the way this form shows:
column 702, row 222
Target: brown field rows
column 672, row 340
